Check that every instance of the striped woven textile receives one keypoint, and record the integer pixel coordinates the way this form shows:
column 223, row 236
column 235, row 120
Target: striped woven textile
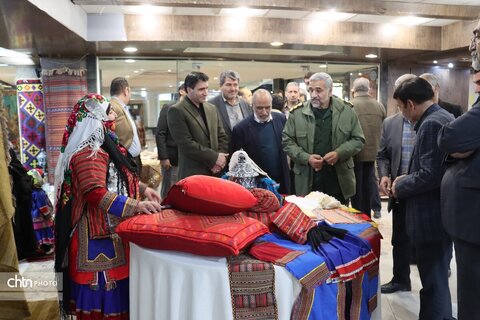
column 61, row 92
column 31, row 112
column 252, row 286
column 291, row 220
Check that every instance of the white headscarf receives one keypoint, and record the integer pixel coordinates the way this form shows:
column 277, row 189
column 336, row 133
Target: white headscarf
column 85, row 127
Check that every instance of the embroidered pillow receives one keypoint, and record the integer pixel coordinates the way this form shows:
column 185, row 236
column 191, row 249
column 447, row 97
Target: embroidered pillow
column 209, row 195
column 266, row 201
column 198, row 234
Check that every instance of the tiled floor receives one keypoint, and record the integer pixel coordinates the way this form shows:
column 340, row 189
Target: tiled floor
column 403, row 305
column 395, row 306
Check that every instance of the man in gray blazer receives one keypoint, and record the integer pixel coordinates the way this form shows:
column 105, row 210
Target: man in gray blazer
column 231, row 109
column 196, row 128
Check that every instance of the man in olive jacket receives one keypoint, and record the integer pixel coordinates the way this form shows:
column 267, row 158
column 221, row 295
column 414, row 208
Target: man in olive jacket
column 197, row 130
column 321, row 137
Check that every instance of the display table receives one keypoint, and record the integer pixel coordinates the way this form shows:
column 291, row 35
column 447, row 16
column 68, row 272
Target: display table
column 181, row 286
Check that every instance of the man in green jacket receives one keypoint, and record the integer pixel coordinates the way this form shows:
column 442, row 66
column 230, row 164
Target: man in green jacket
column 321, row 137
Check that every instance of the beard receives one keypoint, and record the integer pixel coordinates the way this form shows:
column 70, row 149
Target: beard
column 475, row 60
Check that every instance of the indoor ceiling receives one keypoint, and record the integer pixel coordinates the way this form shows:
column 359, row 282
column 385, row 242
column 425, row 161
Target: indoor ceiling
column 25, row 28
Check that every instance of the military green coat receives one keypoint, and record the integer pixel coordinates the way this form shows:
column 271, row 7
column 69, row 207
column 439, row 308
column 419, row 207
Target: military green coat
column 347, row 140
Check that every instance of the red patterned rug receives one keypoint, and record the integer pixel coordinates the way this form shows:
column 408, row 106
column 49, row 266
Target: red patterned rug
column 61, row 92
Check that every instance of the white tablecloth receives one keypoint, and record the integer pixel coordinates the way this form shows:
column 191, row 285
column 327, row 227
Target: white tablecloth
column 172, row 285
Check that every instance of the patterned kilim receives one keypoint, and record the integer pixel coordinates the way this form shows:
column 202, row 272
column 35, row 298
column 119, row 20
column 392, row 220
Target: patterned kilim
column 252, row 285
column 61, row 92
column 31, row 112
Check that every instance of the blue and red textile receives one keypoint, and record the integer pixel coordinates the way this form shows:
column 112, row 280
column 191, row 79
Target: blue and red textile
column 323, row 275
column 42, row 217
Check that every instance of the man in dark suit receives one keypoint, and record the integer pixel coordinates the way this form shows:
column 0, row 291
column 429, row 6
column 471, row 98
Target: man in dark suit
column 197, row 130
column 421, row 190
column 396, row 145
column 460, row 194
column 260, row 136
column 454, row 109
column 167, row 148
column 230, row 107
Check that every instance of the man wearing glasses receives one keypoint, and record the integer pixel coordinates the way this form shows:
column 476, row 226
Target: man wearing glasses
column 460, row 193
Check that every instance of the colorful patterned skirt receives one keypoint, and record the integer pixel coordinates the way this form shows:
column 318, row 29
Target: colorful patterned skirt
column 89, row 304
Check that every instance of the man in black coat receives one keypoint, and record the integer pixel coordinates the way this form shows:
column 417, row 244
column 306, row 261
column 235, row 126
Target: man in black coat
column 167, row 148
column 260, row 136
column 460, row 194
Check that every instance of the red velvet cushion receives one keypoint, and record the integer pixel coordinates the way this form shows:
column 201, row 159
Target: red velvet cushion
column 209, row 195
column 198, row 234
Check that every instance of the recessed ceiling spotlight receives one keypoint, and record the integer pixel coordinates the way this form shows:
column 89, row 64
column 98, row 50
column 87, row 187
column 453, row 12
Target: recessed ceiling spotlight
column 130, row 49
column 215, row 78
column 435, row 61
column 170, row 86
column 276, row 44
column 3, row 65
column 322, row 66
column 371, row 56
column 129, row 61
column 127, row 76
column 143, row 89
column 169, row 70
column 359, row 73
column 135, row 71
column 450, row 65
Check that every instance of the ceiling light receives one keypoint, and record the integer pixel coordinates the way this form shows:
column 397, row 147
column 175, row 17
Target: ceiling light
column 129, row 61
column 3, row 65
column 170, row 86
column 127, row 76
column 135, row 71
column 276, row 44
column 371, row 56
column 435, row 61
column 388, row 29
column 359, row 73
column 322, row 66
column 143, row 89
column 411, row 20
column 169, row 70
column 242, row 12
column 332, row 15
column 215, row 78
column 130, row 49
column 450, row 65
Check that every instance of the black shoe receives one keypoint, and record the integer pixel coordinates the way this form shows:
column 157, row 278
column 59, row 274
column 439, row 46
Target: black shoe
column 392, row 287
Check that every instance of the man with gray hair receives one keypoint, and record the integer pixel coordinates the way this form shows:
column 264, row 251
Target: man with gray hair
column 230, row 107
column 260, row 136
column 321, row 137
column 371, row 114
column 393, row 158
column 454, row 109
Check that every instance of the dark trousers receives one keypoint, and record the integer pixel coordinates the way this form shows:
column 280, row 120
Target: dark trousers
column 364, row 174
column 401, row 244
column 433, row 259
column 375, row 201
column 468, row 279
